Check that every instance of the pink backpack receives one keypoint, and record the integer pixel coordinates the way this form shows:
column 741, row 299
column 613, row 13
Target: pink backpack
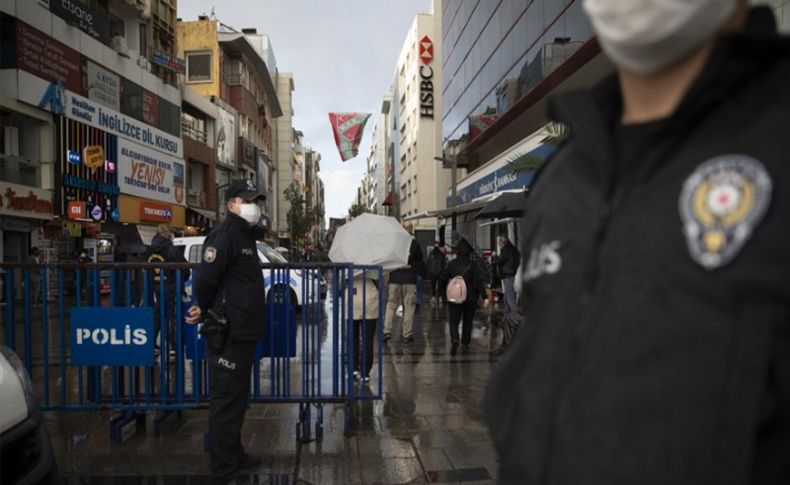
column 456, row 289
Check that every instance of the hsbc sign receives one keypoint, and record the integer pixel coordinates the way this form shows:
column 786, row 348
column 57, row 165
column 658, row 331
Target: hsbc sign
column 426, row 78
column 426, row 50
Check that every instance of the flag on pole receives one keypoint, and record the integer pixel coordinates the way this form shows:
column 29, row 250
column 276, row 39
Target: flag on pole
column 348, row 128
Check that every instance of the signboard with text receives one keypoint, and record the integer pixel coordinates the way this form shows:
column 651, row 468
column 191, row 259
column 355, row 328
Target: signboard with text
column 24, row 201
column 149, row 174
column 112, row 336
column 150, row 212
column 83, row 17
column 104, row 86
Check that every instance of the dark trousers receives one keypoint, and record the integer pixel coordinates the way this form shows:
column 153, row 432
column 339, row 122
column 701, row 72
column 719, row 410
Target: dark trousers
column 437, row 290
column 465, row 311
column 230, row 387
column 369, row 332
column 169, row 320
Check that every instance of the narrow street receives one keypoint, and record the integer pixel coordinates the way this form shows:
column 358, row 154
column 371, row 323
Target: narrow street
column 428, row 428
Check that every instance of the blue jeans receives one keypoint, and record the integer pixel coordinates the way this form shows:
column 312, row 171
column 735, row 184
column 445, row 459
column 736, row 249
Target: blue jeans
column 510, row 294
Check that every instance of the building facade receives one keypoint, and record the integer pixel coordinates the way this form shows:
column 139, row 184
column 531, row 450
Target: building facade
column 199, row 132
column 228, row 68
column 283, row 153
column 501, row 61
column 420, row 180
column 92, row 148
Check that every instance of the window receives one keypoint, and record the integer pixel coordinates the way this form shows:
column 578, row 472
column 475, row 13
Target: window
column 198, row 67
column 143, row 40
column 195, row 253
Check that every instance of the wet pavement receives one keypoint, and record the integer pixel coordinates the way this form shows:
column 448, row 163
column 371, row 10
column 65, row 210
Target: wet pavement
column 428, row 428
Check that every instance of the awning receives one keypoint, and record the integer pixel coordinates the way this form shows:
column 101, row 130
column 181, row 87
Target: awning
column 498, row 221
column 508, row 204
column 210, row 215
column 387, row 199
column 472, row 206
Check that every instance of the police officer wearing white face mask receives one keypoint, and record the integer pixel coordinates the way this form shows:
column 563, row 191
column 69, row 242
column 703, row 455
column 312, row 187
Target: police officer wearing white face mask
column 229, row 281
column 655, row 348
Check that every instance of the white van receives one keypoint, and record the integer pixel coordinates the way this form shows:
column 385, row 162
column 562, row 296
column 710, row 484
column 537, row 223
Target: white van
column 193, row 251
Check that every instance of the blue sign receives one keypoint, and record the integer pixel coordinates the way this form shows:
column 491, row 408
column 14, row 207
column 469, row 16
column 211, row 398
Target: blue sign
column 112, row 336
column 96, row 213
column 73, row 157
column 115, row 215
column 501, row 179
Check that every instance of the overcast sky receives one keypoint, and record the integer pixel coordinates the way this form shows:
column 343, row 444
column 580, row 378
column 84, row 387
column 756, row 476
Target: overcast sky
column 342, row 54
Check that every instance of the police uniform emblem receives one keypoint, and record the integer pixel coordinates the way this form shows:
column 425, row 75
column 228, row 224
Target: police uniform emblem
column 210, row 254
column 721, row 204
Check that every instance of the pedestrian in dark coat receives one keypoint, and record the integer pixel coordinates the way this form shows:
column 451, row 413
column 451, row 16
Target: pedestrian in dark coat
column 463, row 265
column 437, row 261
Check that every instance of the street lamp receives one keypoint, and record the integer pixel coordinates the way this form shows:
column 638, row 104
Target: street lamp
column 453, row 183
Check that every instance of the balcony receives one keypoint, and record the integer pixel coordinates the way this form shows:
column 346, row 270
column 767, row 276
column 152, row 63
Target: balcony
column 193, row 130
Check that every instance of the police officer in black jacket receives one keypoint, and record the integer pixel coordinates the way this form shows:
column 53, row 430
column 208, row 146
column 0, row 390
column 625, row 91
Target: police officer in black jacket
column 229, row 281
column 656, row 345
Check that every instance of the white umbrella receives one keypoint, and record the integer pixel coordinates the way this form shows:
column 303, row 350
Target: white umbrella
column 372, row 240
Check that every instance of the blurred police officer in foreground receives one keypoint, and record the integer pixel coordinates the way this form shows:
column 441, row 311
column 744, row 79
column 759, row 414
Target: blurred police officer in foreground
column 230, row 296
column 656, row 345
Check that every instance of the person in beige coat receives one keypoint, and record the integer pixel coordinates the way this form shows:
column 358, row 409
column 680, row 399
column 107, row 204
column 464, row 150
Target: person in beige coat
column 366, row 320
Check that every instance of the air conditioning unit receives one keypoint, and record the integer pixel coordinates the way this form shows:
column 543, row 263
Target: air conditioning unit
column 119, row 45
column 142, row 61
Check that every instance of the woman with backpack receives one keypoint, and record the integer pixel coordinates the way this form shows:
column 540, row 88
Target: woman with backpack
column 465, row 285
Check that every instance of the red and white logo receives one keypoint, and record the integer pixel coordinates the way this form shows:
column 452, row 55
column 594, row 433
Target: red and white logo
column 426, row 50
column 109, row 166
column 76, row 210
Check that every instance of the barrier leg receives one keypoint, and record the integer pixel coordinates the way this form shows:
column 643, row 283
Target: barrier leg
column 319, row 422
column 303, row 434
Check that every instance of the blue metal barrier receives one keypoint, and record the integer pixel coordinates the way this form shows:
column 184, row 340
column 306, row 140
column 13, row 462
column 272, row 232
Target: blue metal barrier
column 112, row 360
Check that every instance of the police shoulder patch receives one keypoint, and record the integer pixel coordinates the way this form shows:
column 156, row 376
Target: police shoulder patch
column 721, row 204
column 210, row 254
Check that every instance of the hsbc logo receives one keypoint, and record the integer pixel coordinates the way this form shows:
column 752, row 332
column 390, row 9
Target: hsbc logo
column 426, row 50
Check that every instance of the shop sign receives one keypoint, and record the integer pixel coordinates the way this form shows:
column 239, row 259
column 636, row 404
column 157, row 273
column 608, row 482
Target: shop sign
column 109, row 166
column 15, row 226
column 73, row 157
column 502, row 178
column 55, row 98
column 104, row 86
column 155, row 212
column 97, row 213
column 76, row 209
column 47, row 58
column 426, row 92
column 426, row 50
column 74, row 229
column 168, row 61
column 149, row 174
column 150, row 105
column 25, row 201
column 85, row 18
column 93, row 156
column 90, row 185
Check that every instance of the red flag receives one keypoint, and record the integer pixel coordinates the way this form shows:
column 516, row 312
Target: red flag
column 348, row 128
column 479, row 124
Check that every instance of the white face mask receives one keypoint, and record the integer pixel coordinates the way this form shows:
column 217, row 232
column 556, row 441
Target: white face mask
column 250, row 212
column 646, row 36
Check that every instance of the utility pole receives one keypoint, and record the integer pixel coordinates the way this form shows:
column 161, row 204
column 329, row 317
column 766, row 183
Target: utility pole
column 453, row 186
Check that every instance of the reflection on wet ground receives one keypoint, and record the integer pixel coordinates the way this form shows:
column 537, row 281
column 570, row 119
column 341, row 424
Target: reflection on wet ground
column 428, row 428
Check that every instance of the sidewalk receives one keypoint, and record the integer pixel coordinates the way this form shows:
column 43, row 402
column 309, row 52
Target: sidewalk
column 428, row 429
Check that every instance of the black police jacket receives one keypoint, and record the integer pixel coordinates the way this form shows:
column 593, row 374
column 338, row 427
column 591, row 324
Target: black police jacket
column 231, row 268
column 656, row 345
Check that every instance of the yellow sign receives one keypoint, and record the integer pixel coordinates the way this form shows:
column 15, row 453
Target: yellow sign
column 75, row 229
column 93, row 155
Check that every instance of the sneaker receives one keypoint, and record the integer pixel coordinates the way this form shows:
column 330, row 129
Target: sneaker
column 366, row 380
column 386, row 337
column 400, row 310
column 408, row 340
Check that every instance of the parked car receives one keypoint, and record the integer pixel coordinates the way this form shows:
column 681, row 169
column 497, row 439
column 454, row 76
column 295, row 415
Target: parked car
column 25, row 450
column 193, row 250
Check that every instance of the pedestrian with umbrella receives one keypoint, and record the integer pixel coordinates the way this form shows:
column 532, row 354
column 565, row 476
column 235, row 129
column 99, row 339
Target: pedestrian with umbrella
column 369, row 239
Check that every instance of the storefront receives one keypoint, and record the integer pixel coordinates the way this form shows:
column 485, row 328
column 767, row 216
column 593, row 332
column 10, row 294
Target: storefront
column 146, row 215
column 24, row 213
